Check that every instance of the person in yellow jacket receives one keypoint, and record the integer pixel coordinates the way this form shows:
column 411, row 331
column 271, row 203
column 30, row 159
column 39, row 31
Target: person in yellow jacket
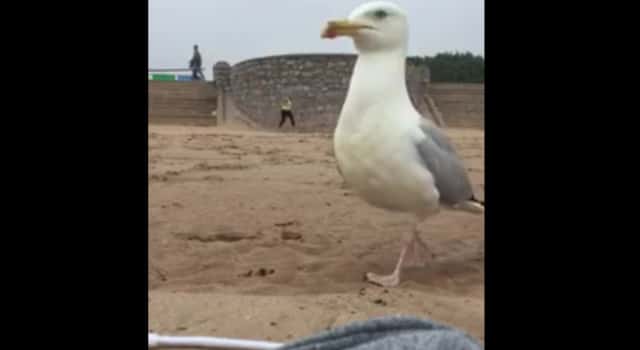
column 285, row 112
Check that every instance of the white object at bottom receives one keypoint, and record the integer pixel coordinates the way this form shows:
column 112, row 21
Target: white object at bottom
column 166, row 341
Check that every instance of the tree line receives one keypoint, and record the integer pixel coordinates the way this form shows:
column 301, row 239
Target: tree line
column 453, row 67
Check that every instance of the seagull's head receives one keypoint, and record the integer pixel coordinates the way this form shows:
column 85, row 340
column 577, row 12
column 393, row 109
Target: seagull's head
column 373, row 26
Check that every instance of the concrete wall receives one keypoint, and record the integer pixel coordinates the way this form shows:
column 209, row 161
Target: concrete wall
column 316, row 83
column 461, row 105
column 182, row 102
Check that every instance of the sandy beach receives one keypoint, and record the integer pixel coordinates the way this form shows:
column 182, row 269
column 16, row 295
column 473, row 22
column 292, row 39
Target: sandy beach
column 253, row 234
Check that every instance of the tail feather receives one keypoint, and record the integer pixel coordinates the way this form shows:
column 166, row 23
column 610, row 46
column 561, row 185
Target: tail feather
column 472, row 205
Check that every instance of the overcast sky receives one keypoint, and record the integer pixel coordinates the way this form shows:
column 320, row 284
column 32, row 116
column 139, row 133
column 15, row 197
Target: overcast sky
column 235, row 30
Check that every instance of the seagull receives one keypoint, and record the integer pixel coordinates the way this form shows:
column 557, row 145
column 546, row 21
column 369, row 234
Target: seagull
column 389, row 154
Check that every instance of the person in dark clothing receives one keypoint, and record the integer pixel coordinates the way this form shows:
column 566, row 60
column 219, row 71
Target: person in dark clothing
column 285, row 112
column 196, row 65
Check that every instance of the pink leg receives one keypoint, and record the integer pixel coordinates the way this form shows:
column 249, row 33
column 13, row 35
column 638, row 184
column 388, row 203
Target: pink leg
column 414, row 254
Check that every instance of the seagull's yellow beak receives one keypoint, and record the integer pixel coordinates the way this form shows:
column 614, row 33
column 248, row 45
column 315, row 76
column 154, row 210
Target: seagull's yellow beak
column 342, row 28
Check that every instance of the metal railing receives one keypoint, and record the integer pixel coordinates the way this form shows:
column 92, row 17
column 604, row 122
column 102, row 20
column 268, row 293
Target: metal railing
column 165, row 70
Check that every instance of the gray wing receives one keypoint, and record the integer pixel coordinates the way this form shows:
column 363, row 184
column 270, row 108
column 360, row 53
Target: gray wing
column 440, row 158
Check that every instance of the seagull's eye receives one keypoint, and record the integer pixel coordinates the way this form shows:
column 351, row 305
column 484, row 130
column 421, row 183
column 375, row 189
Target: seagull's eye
column 380, row 14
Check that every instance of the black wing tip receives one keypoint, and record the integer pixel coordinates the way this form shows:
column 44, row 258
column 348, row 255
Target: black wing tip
column 476, row 200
